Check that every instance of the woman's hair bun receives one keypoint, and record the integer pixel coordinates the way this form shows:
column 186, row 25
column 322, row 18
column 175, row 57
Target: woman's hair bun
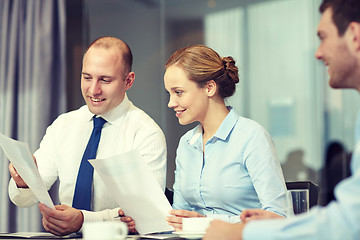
column 230, row 68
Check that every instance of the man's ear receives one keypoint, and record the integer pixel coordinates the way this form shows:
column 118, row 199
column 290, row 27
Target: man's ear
column 129, row 80
column 354, row 28
column 210, row 88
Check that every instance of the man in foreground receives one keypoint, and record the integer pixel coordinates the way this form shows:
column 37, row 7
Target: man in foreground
column 339, row 32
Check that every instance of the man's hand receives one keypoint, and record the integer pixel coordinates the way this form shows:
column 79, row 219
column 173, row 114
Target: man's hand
column 129, row 221
column 177, row 215
column 14, row 174
column 256, row 214
column 61, row 221
column 219, row 230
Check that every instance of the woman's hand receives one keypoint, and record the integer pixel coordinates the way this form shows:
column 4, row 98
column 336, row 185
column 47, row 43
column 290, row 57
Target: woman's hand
column 175, row 220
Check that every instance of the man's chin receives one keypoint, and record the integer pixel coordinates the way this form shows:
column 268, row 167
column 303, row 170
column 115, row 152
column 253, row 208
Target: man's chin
column 95, row 110
column 334, row 84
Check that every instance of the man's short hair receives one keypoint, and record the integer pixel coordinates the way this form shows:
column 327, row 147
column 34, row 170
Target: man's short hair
column 344, row 12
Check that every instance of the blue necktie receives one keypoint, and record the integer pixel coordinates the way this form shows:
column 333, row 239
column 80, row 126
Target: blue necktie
column 82, row 194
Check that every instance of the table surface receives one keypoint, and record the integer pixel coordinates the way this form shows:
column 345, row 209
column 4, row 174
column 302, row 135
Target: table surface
column 48, row 236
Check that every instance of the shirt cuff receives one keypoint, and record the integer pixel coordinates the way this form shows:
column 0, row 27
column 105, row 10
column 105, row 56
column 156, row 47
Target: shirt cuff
column 22, row 197
column 100, row 216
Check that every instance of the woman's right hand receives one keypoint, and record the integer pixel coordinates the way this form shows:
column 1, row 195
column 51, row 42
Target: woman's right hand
column 175, row 220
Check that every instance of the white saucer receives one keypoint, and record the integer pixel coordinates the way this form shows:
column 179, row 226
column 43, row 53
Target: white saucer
column 190, row 235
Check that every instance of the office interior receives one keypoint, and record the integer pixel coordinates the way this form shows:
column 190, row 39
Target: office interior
column 282, row 86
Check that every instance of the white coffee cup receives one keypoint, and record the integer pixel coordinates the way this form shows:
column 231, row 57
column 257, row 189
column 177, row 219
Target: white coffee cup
column 105, row 231
column 196, row 225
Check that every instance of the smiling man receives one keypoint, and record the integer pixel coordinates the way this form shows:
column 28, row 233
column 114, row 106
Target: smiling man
column 109, row 124
column 339, row 33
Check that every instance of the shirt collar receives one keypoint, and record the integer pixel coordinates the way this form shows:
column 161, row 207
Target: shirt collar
column 224, row 130
column 197, row 134
column 115, row 115
column 227, row 125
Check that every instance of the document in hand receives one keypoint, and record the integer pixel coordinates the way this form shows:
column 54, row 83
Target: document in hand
column 136, row 190
column 20, row 156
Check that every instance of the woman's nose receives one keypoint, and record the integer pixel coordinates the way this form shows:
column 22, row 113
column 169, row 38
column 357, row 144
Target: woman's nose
column 171, row 103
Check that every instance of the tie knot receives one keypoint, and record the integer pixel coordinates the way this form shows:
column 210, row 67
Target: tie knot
column 99, row 122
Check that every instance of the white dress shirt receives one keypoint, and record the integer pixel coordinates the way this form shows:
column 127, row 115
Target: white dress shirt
column 61, row 150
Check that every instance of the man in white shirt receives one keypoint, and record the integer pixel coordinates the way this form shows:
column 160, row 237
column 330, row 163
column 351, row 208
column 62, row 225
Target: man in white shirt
column 339, row 32
column 106, row 76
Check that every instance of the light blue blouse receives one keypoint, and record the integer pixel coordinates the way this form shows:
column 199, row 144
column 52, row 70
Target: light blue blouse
column 238, row 170
column 340, row 219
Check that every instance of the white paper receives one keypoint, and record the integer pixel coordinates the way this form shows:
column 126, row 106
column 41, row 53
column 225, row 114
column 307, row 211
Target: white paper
column 136, row 190
column 20, row 156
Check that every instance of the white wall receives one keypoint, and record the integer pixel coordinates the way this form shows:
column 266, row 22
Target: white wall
column 282, row 45
column 140, row 29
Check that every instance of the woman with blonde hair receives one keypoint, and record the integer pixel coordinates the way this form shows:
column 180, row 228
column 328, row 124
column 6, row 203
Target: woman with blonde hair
column 227, row 163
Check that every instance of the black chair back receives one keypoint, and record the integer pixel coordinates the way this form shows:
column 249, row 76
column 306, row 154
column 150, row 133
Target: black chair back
column 313, row 190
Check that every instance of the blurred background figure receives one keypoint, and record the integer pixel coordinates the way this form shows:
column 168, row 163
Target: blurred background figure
column 335, row 169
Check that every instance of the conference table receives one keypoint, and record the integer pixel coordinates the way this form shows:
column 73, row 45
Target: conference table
column 48, row 236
